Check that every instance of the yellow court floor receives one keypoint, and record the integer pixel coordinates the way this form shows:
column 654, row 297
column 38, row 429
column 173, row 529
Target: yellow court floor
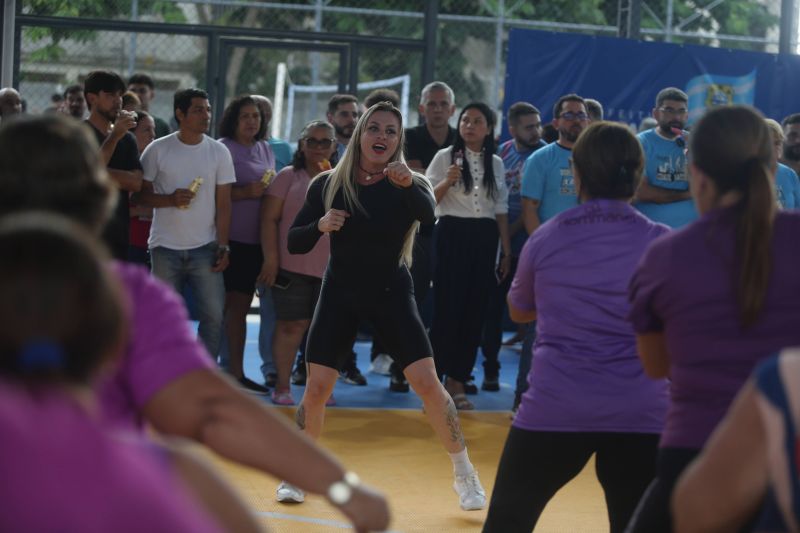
column 397, row 452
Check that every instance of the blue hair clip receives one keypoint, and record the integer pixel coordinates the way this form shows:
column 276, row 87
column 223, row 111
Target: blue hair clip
column 41, row 354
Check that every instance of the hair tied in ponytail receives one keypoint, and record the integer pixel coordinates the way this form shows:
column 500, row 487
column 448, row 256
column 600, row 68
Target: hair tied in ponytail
column 41, row 354
column 745, row 173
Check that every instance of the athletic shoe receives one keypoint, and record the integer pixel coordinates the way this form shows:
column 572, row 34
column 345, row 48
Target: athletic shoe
column 491, row 383
column 398, row 383
column 470, row 387
column 289, row 494
column 299, row 375
column 282, row 398
column 270, row 380
column 381, row 365
column 471, row 495
column 251, row 386
column 352, row 376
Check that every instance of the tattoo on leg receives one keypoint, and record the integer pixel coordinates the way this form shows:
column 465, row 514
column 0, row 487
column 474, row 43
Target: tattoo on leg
column 451, row 417
column 300, row 417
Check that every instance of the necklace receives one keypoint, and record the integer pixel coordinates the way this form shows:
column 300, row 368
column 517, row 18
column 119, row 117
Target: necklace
column 370, row 175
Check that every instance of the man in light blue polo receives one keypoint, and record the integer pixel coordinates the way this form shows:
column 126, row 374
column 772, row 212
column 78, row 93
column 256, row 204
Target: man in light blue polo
column 663, row 196
column 548, row 187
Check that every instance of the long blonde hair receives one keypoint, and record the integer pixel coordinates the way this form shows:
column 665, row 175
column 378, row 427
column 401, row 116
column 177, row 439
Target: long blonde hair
column 343, row 177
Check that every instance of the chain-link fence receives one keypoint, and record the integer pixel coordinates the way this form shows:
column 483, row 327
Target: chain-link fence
column 471, row 41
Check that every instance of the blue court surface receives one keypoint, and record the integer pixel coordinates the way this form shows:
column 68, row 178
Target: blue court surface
column 376, row 394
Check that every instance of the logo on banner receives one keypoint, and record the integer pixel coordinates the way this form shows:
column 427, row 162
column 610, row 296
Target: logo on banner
column 710, row 90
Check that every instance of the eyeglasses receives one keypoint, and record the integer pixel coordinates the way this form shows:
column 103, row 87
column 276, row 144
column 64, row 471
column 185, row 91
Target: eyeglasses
column 674, row 112
column 311, row 142
column 569, row 115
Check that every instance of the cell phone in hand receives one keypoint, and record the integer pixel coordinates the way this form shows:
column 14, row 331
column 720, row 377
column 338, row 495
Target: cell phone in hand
column 282, row 281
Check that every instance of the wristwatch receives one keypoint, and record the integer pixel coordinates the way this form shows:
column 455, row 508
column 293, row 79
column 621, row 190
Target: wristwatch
column 340, row 492
column 224, row 248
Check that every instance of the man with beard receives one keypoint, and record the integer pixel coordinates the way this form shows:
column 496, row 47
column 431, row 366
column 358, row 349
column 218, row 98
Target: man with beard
column 343, row 112
column 74, row 102
column 791, row 142
column 103, row 90
column 187, row 179
column 547, row 184
column 525, row 127
column 664, row 195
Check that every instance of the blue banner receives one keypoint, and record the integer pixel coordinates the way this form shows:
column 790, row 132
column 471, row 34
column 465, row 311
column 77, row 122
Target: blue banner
column 626, row 75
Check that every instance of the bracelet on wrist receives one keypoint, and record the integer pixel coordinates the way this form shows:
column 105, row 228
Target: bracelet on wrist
column 341, row 492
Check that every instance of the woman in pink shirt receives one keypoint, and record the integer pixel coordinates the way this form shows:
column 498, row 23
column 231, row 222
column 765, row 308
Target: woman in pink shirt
column 295, row 279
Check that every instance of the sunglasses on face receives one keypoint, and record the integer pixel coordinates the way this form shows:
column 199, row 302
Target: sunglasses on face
column 318, row 143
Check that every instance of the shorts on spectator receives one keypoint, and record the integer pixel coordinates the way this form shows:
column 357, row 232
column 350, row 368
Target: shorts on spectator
column 298, row 300
column 244, row 266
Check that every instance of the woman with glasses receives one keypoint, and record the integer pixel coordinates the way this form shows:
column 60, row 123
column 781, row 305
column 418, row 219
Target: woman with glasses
column 254, row 163
column 588, row 394
column 295, row 279
column 472, row 206
column 712, row 300
column 371, row 205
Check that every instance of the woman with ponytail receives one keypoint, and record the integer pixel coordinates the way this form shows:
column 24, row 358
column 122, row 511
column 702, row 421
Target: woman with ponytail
column 588, row 394
column 710, row 301
column 371, row 205
column 472, row 206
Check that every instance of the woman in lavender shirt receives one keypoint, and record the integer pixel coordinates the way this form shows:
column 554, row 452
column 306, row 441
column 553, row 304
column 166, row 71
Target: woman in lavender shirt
column 710, row 301
column 241, row 128
column 588, row 394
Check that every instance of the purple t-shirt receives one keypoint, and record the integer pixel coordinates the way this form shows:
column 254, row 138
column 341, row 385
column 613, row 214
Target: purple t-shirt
column 249, row 163
column 161, row 348
column 574, row 272
column 291, row 185
column 685, row 288
column 62, row 472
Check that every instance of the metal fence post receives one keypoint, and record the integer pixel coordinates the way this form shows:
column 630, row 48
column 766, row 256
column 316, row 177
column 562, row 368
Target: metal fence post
column 788, row 38
column 431, row 29
column 8, row 45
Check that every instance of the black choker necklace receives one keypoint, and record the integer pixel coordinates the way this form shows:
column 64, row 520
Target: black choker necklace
column 370, row 175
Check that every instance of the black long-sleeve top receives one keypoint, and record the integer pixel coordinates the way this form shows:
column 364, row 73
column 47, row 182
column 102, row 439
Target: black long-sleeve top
column 365, row 252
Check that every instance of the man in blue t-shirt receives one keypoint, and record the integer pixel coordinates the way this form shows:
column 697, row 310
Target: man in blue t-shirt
column 547, row 184
column 525, row 127
column 663, row 195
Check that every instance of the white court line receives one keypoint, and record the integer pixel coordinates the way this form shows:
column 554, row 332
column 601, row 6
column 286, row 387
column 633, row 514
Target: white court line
column 308, row 519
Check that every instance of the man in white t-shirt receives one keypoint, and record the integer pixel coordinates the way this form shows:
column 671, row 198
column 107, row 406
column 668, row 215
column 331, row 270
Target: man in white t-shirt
column 187, row 179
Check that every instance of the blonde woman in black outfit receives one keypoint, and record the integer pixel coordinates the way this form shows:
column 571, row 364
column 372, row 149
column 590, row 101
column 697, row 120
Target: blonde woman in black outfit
column 371, row 205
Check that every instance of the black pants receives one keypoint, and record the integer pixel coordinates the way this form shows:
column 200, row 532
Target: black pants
column 492, row 338
column 536, row 464
column 653, row 512
column 466, row 249
column 421, row 276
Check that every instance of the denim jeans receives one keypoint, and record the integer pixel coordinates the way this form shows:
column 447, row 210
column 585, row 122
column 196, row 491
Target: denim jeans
column 265, row 331
column 193, row 267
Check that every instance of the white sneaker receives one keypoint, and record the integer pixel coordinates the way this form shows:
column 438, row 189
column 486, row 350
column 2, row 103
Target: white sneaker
column 381, row 365
column 471, row 495
column 289, row 494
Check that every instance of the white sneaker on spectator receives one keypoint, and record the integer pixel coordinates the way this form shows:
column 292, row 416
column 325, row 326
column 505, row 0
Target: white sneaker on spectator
column 471, row 495
column 381, row 364
column 289, row 494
